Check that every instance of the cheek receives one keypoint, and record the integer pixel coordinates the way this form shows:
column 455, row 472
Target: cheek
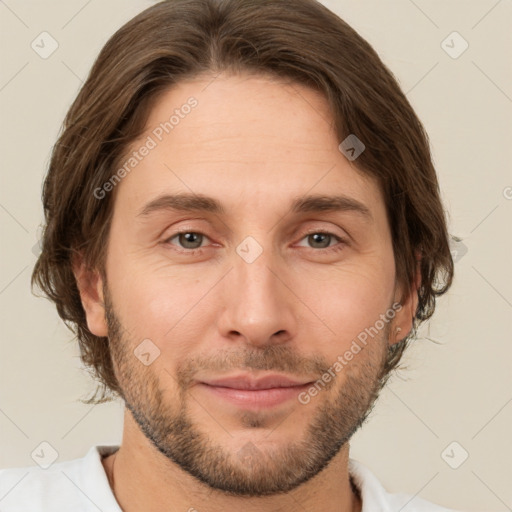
column 162, row 303
column 350, row 300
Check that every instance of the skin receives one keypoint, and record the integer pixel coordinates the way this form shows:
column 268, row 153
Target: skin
column 254, row 144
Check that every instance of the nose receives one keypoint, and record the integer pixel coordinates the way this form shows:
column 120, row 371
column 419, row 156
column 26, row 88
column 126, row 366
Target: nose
column 259, row 308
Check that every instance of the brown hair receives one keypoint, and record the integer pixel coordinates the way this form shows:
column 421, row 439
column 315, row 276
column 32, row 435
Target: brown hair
column 174, row 40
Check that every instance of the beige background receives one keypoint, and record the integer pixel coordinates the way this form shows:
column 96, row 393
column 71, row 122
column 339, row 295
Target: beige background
column 459, row 390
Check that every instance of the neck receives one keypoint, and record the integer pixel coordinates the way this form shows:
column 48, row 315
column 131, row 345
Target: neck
column 138, row 485
column 141, row 478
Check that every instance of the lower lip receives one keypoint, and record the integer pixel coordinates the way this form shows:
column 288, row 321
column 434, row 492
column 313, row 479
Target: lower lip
column 256, row 397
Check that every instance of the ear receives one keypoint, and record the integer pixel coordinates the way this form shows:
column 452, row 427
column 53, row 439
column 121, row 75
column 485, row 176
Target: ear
column 403, row 322
column 90, row 286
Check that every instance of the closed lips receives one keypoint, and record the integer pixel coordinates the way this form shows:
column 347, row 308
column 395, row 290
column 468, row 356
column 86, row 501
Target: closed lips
column 248, row 383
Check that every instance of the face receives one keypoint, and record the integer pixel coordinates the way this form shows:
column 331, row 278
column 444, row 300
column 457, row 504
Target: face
column 244, row 244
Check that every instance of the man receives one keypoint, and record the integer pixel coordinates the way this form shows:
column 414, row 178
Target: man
column 243, row 225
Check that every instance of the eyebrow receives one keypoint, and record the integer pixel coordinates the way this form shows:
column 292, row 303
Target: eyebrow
column 187, row 202
column 336, row 203
column 182, row 202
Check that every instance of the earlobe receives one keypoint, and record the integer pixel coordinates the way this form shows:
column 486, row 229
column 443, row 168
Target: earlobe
column 90, row 286
column 404, row 320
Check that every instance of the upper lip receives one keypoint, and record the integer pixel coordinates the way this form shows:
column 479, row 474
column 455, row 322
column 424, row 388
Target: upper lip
column 247, row 381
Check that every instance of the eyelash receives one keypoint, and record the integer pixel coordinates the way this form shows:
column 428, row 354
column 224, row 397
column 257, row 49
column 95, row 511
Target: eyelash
column 334, row 248
column 326, row 250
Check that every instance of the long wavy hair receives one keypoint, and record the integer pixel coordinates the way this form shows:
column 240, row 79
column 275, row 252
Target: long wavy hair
column 300, row 40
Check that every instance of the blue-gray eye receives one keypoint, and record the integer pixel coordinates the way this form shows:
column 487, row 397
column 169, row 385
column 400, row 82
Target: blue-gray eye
column 320, row 240
column 189, row 240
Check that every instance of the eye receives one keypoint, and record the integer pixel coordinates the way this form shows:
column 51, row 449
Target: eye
column 188, row 240
column 321, row 240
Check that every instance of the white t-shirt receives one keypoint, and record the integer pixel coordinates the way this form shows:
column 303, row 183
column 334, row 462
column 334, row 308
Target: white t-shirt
column 81, row 485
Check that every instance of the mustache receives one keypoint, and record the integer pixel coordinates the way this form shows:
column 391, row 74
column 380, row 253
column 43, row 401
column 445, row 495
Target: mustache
column 270, row 358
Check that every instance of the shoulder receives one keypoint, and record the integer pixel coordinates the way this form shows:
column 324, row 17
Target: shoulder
column 375, row 497
column 76, row 483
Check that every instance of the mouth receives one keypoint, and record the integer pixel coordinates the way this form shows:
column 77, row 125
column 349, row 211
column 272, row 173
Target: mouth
column 246, row 391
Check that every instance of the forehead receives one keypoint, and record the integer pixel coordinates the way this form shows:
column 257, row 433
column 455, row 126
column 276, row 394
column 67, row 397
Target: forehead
column 247, row 109
column 240, row 136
